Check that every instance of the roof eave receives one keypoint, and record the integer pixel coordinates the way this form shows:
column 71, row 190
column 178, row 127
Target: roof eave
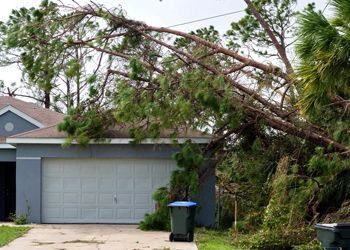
column 21, row 114
column 6, row 146
column 14, row 141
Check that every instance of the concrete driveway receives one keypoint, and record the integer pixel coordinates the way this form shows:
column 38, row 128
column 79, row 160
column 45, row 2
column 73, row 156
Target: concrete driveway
column 93, row 237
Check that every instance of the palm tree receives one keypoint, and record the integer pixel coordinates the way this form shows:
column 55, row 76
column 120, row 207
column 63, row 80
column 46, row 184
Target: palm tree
column 324, row 52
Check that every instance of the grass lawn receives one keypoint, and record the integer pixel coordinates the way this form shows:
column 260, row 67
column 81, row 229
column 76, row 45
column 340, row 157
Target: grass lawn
column 8, row 234
column 213, row 240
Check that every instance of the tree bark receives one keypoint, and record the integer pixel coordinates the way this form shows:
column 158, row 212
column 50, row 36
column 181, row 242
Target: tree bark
column 280, row 49
column 47, row 100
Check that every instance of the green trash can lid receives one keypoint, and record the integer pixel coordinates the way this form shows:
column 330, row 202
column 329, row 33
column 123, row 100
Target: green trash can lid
column 183, row 204
column 333, row 226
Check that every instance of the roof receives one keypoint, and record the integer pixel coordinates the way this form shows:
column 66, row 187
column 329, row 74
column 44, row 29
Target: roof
column 117, row 132
column 48, row 133
column 44, row 116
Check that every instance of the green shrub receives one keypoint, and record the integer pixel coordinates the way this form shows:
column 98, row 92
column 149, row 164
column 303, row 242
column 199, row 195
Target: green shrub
column 155, row 221
column 159, row 220
column 183, row 184
column 313, row 245
column 280, row 239
column 19, row 219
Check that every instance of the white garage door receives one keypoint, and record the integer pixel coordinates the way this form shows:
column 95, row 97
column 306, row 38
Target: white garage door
column 101, row 190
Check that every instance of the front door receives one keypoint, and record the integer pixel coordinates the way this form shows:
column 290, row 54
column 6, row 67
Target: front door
column 7, row 190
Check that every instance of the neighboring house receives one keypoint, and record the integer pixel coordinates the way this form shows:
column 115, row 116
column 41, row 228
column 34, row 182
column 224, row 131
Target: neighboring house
column 108, row 182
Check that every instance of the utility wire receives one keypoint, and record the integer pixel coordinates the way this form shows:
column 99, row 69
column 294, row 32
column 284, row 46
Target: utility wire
column 207, row 18
column 326, row 6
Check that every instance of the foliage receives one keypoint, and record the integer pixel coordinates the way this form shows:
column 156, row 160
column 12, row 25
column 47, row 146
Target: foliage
column 279, row 205
column 248, row 168
column 313, row 245
column 266, row 240
column 280, row 138
column 53, row 72
column 184, row 181
column 323, row 48
column 183, row 184
column 83, row 128
column 165, row 79
column 208, row 239
column 247, row 33
column 283, row 220
column 19, row 219
column 298, row 191
column 340, row 216
column 159, row 220
column 26, row 41
column 8, row 234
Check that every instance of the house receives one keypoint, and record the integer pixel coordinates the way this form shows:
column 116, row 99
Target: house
column 108, row 182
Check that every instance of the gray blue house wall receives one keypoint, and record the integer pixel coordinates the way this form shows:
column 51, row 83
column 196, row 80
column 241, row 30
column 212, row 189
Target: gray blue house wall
column 20, row 125
column 29, row 170
column 7, row 155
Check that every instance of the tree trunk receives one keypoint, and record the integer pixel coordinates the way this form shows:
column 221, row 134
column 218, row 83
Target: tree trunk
column 47, row 100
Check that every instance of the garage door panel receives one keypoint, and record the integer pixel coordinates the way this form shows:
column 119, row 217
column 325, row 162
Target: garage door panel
column 124, row 171
column 160, row 172
column 126, row 184
column 70, row 213
column 84, row 190
column 106, row 198
column 53, row 170
column 52, row 184
column 71, row 184
column 88, row 184
column 143, row 184
column 142, row 199
column 88, row 198
column 69, row 171
column 52, row 198
column 52, row 213
column 142, row 172
column 140, row 213
column 106, row 213
column 124, row 213
column 125, row 199
column 106, row 170
column 88, row 171
column 71, row 198
column 89, row 213
column 106, row 184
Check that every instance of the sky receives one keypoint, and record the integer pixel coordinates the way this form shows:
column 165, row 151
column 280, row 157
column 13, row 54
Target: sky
column 158, row 13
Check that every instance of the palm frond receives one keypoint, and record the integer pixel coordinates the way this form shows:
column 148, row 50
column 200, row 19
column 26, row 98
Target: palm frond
column 324, row 51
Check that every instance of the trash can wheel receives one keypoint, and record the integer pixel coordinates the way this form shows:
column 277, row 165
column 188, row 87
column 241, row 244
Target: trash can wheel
column 189, row 237
column 171, row 237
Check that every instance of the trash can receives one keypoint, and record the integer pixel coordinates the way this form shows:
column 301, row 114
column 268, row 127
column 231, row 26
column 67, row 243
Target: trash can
column 182, row 214
column 334, row 236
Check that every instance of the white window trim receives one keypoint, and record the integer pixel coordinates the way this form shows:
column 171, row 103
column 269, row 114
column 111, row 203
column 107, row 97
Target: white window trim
column 21, row 114
column 108, row 141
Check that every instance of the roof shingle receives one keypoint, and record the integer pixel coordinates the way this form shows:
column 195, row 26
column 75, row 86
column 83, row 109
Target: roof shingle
column 117, row 132
column 50, row 119
column 44, row 116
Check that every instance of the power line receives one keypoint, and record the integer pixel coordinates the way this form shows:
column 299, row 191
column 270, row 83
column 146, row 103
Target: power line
column 206, row 18
column 326, row 6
